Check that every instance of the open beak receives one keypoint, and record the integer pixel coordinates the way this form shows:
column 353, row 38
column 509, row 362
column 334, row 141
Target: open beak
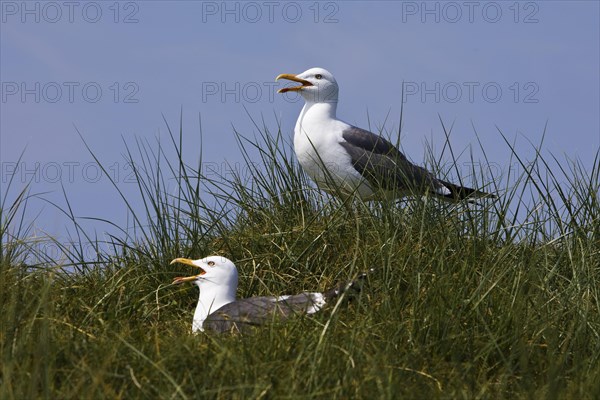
column 294, row 78
column 192, row 278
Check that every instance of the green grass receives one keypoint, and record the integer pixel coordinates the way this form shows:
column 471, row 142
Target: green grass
column 496, row 301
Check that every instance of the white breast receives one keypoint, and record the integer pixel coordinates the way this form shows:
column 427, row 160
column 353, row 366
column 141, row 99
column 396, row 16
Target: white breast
column 317, row 145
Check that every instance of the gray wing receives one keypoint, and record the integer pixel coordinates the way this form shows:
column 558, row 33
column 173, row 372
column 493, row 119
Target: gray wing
column 242, row 315
column 385, row 167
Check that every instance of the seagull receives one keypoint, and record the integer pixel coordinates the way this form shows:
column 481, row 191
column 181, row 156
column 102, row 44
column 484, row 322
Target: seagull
column 345, row 160
column 219, row 311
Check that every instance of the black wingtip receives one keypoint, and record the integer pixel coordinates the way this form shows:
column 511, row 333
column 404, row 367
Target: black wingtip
column 459, row 193
column 353, row 287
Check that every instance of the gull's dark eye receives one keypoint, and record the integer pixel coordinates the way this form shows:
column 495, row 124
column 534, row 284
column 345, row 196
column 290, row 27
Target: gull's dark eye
column 211, row 263
column 318, row 76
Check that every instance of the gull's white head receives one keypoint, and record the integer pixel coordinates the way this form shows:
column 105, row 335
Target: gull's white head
column 317, row 85
column 217, row 282
column 215, row 271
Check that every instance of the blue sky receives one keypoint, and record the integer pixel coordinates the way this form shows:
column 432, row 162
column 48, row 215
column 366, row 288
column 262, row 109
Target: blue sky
column 114, row 69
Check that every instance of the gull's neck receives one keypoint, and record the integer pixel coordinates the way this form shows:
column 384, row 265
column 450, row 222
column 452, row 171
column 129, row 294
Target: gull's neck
column 212, row 297
column 318, row 111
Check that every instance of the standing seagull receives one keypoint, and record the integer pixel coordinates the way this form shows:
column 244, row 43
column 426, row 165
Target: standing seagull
column 219, row 311
column 343, row 159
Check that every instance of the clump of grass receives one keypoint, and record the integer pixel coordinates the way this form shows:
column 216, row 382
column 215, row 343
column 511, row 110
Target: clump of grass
column 496, row 301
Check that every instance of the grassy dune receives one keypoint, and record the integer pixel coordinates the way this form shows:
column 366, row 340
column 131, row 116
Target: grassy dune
column 493, row 301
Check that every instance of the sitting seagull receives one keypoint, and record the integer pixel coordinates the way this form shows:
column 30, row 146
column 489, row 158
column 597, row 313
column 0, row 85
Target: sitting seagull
column 343, row 159
column 219, row 311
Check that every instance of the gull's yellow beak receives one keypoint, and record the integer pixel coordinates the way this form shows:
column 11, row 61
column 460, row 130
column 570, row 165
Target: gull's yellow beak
column 187, row 278
column 294, row 78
